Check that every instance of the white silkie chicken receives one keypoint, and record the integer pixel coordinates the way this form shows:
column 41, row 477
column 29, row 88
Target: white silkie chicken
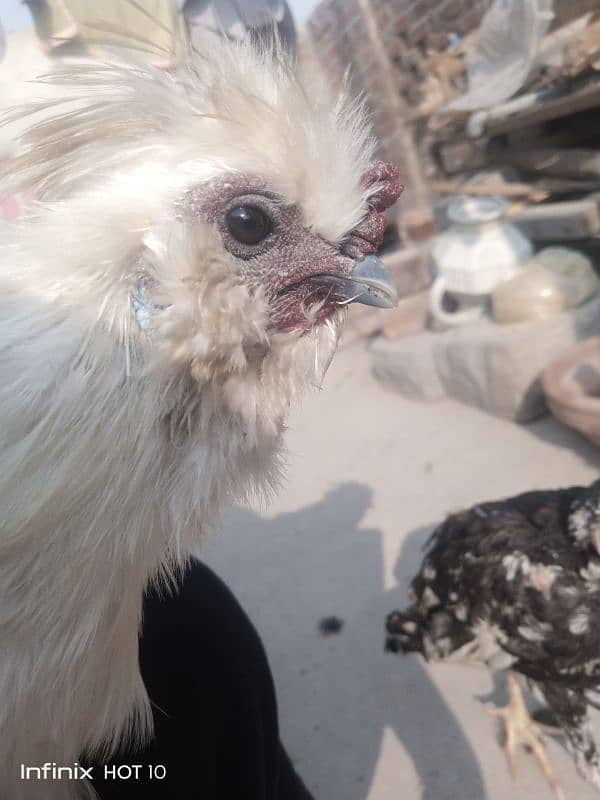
column 180, row 283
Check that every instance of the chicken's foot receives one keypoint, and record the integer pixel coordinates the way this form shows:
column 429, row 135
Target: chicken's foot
column 520, row 728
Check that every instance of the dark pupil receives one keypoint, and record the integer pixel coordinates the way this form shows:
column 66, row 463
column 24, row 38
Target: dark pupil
column 248, row 224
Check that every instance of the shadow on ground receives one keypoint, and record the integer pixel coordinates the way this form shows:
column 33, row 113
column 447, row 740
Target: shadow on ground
column 550, row 430
column 338, row 694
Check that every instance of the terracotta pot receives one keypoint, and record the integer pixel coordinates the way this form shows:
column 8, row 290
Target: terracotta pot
column 571, row 385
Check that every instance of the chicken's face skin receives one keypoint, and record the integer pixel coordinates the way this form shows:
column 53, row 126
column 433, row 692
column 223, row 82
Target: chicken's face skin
column 275, row 250
column 244, row 283
column 241, row 285
column 272, row 248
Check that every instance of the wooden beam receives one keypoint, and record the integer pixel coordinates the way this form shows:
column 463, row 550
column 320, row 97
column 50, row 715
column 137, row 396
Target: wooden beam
column 562, row 163
column 416, row 184
column 570, row 103
column 524, row 111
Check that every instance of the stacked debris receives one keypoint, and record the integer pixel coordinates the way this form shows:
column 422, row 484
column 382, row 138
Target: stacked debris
column 539, row 148
column 511, row 110
column 502, row 98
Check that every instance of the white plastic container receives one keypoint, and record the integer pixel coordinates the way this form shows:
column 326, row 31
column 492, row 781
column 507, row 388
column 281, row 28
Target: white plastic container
column 480, row 250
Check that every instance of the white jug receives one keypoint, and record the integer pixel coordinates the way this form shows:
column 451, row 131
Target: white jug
column 479, row 250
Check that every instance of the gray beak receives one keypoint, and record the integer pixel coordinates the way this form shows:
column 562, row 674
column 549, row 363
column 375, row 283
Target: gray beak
column 369, row 283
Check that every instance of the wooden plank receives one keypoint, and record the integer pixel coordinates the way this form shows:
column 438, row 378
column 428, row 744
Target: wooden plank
column 462, row 156
column 524, row 111
column 489, row 188
column 536, row 191
column 566, row 163
column 571, row 103
column 577, row 219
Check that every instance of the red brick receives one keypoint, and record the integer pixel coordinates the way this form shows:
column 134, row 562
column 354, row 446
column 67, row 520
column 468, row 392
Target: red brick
column 418, row 224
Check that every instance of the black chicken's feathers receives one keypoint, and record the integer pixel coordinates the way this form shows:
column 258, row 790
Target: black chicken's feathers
column 524, row 568
column 516, row 584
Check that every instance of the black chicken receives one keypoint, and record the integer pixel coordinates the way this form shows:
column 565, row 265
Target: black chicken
column 515, row 584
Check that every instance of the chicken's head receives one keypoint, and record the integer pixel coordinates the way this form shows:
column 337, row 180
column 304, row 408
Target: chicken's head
column 305, row 277
column 233, row 211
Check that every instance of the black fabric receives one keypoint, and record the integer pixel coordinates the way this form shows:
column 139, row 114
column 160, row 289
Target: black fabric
column 215, row 713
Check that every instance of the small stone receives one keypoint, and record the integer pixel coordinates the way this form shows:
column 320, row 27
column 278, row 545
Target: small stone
column 407, row 365
column 329, row 626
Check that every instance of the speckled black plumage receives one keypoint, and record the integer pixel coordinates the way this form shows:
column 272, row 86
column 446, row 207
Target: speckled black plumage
column 516, row 584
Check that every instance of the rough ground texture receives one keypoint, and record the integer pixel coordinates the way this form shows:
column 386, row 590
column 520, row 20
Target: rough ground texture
column 369, row 475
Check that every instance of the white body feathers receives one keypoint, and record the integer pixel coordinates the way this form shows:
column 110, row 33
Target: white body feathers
column 120, row 442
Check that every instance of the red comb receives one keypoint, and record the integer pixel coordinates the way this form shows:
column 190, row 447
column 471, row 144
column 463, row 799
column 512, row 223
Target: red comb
column 387, row 176
column 367, row 237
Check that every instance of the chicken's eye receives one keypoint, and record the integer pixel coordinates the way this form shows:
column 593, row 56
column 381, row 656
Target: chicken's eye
column 248, row 224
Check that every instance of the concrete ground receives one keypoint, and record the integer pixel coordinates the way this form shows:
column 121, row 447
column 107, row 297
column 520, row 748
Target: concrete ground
column 369, row 475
